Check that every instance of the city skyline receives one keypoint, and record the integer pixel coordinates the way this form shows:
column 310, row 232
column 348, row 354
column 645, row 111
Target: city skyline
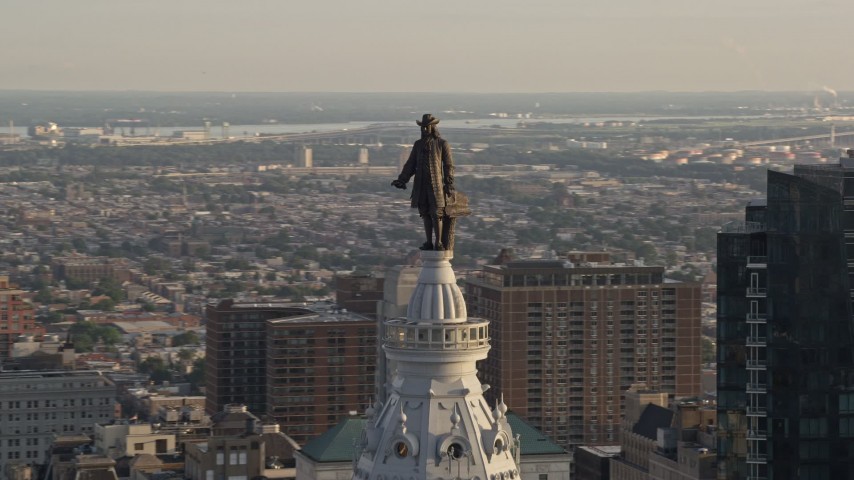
column 375, row 46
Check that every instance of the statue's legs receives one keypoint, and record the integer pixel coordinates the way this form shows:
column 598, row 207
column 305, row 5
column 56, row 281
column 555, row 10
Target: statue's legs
column 428, row 230
column 448, row 233
column 437, row 226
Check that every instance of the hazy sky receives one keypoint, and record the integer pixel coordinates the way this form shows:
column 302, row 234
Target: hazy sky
column 439, row 45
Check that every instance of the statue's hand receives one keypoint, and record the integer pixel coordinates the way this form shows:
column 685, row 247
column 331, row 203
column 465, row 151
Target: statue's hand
column 398, row 184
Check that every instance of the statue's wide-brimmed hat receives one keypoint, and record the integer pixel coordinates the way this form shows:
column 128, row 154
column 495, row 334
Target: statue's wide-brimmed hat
column 427, row 119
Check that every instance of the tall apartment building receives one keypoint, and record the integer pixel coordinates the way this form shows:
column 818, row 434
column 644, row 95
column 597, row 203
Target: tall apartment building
column 785, row 333
column 359, row 292
column 36, row 405
column 235, row 353
column 320, row 367
column 306, row 369
column 568, row 338
column 16, row 317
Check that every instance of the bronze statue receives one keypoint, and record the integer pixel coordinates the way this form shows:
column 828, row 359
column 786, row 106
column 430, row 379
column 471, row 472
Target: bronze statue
column 433, row 192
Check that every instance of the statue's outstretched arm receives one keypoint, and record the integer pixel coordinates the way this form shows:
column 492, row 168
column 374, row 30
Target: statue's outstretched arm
column 408, row 169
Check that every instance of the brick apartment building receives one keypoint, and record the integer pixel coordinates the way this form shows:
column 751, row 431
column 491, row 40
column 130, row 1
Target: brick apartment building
column 16, row 317
column 305, row 368
column 570, row 336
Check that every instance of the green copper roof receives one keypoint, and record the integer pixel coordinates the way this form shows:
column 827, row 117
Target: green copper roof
column 336, row 445
column 533, row 442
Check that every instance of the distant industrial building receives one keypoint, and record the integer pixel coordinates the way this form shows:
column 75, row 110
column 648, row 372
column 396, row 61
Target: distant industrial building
column 303, row 156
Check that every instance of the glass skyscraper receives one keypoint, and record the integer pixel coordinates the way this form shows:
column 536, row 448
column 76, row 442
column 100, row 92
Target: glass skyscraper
column 785, row 334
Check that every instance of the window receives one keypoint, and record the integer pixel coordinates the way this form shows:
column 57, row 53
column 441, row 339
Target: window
column 813, row 427
column 138, row 446
column 209, row 475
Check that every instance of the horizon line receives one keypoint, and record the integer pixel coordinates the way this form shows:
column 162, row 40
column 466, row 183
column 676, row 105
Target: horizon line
column 405, row 92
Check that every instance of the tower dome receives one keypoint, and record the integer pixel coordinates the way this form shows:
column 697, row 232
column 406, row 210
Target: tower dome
column 435, row 422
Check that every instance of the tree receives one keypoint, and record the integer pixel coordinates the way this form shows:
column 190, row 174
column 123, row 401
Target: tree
column 151, row 364
column 51, row 317
column 186, row 354
column 156, row 369
column 85, row 334
column 111, row 288
column 72, row 283
column 197, row 376
column 79, row 244
column 105, row 305
column 43, row 296
column 237, row 264
column 187, row 338
column 646, row 251
column 156, row 265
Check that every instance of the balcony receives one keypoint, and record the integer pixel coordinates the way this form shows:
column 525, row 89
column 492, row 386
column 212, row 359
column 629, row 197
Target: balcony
column 757, row 341
column 757, row 262
column 757, row 412
column 759, row 318
column 757, row 435
column 756, row 292
column 760, row 458
column 756, row 388
column 757, row 364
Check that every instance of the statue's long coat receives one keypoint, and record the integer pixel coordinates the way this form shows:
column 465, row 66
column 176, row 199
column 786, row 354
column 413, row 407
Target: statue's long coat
column 438, row 164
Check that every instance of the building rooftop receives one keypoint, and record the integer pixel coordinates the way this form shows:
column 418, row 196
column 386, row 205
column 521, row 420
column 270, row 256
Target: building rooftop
column 653, row 418
column 603, row 450
column 336, row 444
column 322, row 318
column 533, row 442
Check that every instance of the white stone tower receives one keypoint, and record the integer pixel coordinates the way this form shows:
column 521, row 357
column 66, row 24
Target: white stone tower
column 435, row 423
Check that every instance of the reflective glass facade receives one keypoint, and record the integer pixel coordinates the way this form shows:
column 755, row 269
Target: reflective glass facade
column 785, row 336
